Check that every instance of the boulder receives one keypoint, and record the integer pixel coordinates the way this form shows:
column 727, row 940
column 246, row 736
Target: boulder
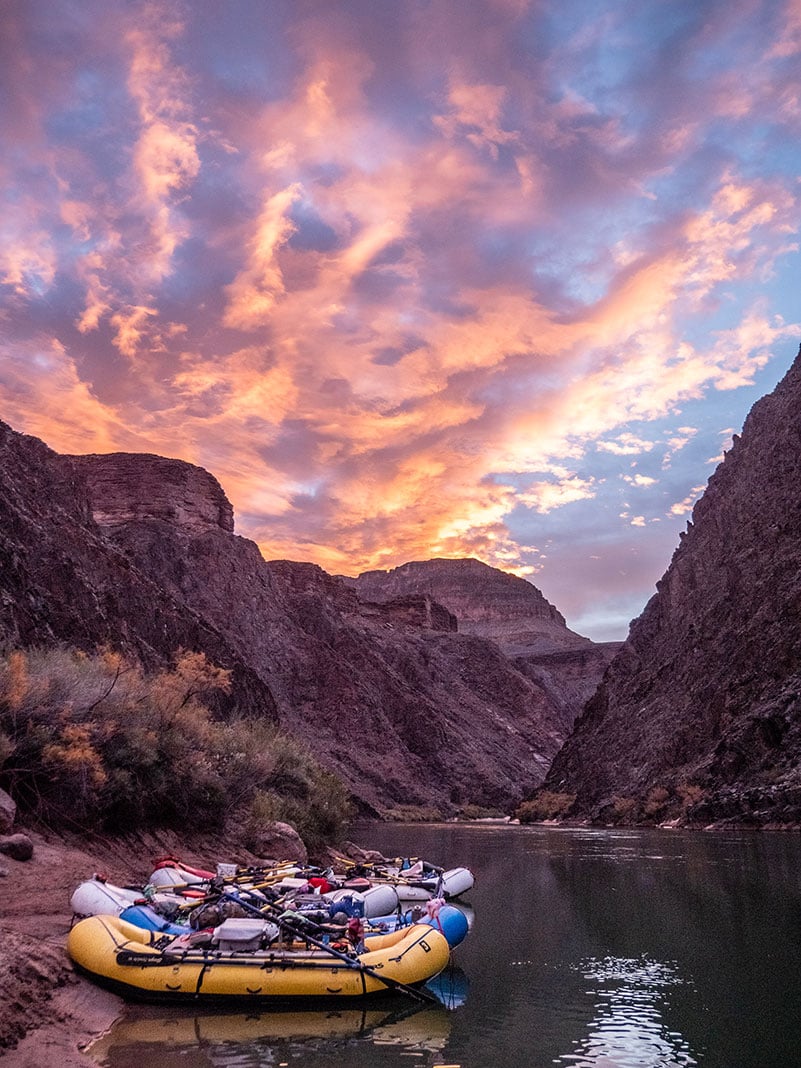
column 278, row 841
column 17, row 846
column 8, row 812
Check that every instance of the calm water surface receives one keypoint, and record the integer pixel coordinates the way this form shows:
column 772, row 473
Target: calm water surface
column 590, row 949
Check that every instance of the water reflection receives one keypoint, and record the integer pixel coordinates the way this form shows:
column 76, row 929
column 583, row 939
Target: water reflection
column 629, row 1030
column 256, row 1039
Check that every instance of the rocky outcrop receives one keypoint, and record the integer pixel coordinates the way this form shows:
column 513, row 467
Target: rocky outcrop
column 387, row 696
column 276, row 842
column 511, row 612
column 410, row 611
column 16, row 846
column 570, row 677
column 126, row 486
column 486, row 602
column 699, row 716
column 8, row 812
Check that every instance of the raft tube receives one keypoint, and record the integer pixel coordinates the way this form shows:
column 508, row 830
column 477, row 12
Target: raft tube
column 450, row 920
column 457, row 881
column 147, row 918
column 96, row 897
column 378, row 900
column 137, row 964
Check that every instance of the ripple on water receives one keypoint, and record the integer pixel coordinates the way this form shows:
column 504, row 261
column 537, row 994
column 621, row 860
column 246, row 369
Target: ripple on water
column 628, row 1029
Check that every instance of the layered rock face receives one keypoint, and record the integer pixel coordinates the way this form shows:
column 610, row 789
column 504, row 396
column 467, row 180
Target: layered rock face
column 511, row 612
column 138, row 552
column 129, row 486
column 486, row 602
column 699, row 717
column 407, row 712
column 63, row 580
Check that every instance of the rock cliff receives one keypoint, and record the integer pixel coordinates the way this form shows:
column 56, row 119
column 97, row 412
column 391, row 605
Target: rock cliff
column 407, row 712
column 139, row 552
column 128, row 486
column 486, row 602
column 62, row 580
column 699, row 716
column 511, row 612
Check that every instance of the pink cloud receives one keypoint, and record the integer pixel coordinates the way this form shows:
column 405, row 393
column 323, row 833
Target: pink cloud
column 406, row 287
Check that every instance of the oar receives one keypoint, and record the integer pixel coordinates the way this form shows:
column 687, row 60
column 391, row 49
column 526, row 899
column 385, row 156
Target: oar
column 395, row 984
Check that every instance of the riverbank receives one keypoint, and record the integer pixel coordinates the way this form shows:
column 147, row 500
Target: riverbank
column 48, row 1013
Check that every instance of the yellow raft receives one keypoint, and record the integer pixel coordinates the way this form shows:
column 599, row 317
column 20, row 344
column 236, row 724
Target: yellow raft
column 155, row 967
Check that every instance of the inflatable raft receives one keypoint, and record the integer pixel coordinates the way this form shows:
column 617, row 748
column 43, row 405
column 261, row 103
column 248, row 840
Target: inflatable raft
column 151, row 965
column 97, row 897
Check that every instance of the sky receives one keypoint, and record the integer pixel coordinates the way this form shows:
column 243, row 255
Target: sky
column 411, row 278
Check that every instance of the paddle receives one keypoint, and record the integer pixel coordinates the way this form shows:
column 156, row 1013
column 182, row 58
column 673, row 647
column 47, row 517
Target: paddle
column 395, row 984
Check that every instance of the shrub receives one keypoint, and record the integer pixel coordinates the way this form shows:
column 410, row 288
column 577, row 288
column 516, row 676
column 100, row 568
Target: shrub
column 413, row 814
column 545, row 805
column 93, row 743
column 319, row 818
column 690, row 794
column 479, row 812
column 618, row 811
column 656, row 800
column 625, row 809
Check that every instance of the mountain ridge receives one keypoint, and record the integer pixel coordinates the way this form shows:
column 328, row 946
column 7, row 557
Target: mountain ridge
column 139, row 552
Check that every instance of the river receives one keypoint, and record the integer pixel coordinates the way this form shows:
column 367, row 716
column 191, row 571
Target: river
column 589, row 949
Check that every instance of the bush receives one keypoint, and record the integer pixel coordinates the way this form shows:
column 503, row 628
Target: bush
column 319, row 818
column 690, row 794
column 479, row 812
column 93, row 743
column 545, row 805
column 656, row 801
column 618, row 811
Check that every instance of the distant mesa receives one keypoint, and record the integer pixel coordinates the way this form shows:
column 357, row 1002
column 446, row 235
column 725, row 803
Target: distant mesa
column 510, row 612
column 486, row 602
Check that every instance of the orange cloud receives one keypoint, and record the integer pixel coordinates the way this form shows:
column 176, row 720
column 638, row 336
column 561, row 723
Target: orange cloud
column 252, row 295
column 420, row 297
column 27, row 263
column 55, row 405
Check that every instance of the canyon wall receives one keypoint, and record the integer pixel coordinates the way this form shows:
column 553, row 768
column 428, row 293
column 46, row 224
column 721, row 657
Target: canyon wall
column 138, row 552
column 511, row 612
column 699, row 716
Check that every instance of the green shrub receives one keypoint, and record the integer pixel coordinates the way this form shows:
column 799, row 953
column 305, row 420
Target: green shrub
column 618, row 811
column 319, row 818
column 414, row 814
column 479, row 812
column 94, row 743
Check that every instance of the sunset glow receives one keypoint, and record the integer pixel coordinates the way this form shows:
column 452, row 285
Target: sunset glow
column 431, row 278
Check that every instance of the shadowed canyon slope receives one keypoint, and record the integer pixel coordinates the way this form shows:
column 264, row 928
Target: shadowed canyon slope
column 699, row 716
column 512, row 613
column 139, row 552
